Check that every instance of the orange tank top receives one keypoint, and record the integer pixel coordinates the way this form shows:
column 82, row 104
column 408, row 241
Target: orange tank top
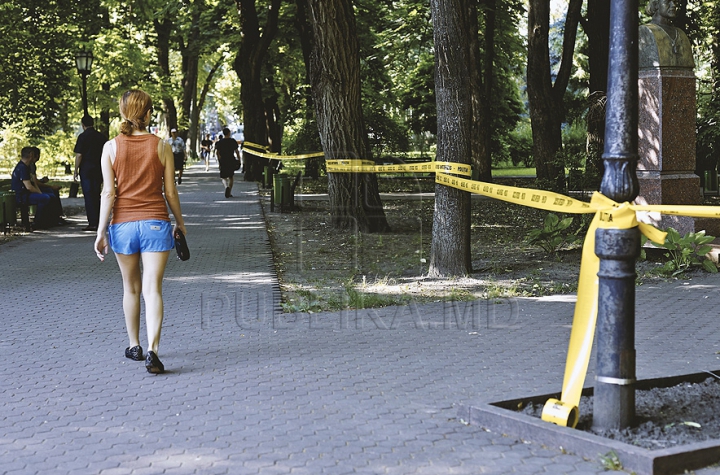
column 139, row 180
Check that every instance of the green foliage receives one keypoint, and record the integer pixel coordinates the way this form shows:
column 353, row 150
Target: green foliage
column 553, row 235
column 408, row 45
column 643, row 253
column 574, row 155
column 519, row 145
column 55, row 151
column 703, row 29
column 305, row 138
column 611, row 461
column 359, row 299
column 686, row 252
column 38, row 79
column 383, row 119
column 12, row 139
column 405, row 40
column 418, row 96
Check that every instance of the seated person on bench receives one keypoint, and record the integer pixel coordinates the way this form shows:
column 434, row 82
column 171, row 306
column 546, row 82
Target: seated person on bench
column 27, row 193
column 53, row 190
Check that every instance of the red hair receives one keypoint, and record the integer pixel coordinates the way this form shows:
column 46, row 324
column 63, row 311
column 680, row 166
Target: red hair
column 134, row 105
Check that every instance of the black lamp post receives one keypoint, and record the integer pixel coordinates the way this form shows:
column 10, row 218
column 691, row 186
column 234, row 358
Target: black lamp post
column 83, row 61
column 614, row 397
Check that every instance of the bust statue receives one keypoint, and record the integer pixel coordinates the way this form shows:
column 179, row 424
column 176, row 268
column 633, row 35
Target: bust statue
column 661, row 45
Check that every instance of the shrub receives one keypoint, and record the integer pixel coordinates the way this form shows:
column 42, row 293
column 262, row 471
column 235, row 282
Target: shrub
column 553, row 235
column 686, row 252
column 12, row 139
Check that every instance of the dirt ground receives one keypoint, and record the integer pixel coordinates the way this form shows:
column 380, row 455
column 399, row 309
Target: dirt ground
column 666, row 417
column 323, row 269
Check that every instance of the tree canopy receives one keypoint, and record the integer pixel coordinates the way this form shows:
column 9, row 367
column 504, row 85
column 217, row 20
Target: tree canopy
column 191, row 57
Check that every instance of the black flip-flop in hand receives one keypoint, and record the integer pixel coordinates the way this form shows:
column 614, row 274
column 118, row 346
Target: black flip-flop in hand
column 183, row 252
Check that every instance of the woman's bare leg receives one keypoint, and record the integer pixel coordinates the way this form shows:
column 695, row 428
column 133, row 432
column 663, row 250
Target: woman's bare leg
column 153, row 271
column 132, row 286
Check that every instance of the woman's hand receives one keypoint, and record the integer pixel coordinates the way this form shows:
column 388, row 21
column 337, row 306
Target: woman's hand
column 181, row 227
column 101, row 245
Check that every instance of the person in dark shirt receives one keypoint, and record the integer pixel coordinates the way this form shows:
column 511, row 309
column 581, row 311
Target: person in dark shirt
column 205, row 146
column 88, row 150
column 227, row 149
column 41, row 183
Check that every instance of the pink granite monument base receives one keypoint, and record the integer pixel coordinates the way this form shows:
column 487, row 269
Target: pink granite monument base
column 671, row 188
column 666, row 144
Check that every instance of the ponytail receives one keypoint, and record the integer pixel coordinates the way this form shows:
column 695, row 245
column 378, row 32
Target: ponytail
column 134, row 106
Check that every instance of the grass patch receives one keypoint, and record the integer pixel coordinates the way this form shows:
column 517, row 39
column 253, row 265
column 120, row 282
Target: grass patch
column 513, row 171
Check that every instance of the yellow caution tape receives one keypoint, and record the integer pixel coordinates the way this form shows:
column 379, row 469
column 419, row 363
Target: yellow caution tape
column 255, row 145
column 608, row 215
column 366, row 166
column 275, row 156
column 546, row 200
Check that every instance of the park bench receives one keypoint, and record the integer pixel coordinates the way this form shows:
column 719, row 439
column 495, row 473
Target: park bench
column 10, row 209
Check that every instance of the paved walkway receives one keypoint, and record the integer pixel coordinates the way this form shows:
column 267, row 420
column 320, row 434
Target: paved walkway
column 252, row 390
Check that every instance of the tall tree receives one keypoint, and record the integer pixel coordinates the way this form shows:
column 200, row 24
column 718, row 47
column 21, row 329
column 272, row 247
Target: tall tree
column 163, row 29
column 545, row 98
column 248, row 66
column 481, row 89
column 450, row 249
column 335, row 78
column 39, row 42
column 705, row 18
column 596, row 25
column 302, row 25
column 381, row 109
column 190, row 49
column 499, row 52
column 219, row 59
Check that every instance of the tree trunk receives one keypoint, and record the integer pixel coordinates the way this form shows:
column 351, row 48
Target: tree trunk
column 312, row 165
column 189, row 102
column 248, row 66
column 335, row 78
column 274, row 126
column 163, row 28
column 485, row 172
column 708, row 140
column 479, row 145
column 545, row 100
column 596, row 26
column 306, row 38
column 715, row 56
column 190, row 65
column 205, row 89
column 450, row 249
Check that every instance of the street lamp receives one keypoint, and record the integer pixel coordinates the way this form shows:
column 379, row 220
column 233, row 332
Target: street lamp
column 83, row 61
column 614, row 395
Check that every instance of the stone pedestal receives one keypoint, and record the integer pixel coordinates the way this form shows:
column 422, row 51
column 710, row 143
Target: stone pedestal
column 666, row 145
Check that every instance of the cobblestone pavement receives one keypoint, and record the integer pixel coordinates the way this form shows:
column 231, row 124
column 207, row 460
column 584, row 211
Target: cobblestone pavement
column 251, row 390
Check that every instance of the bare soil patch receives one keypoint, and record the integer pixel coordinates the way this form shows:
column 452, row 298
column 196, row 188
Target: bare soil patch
column 324, row 269
column 665, row 417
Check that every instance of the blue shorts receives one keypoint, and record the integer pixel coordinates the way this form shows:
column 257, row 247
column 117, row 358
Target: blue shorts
column 152, row 235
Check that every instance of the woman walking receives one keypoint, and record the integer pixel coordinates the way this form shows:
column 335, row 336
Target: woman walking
column 137, row 168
